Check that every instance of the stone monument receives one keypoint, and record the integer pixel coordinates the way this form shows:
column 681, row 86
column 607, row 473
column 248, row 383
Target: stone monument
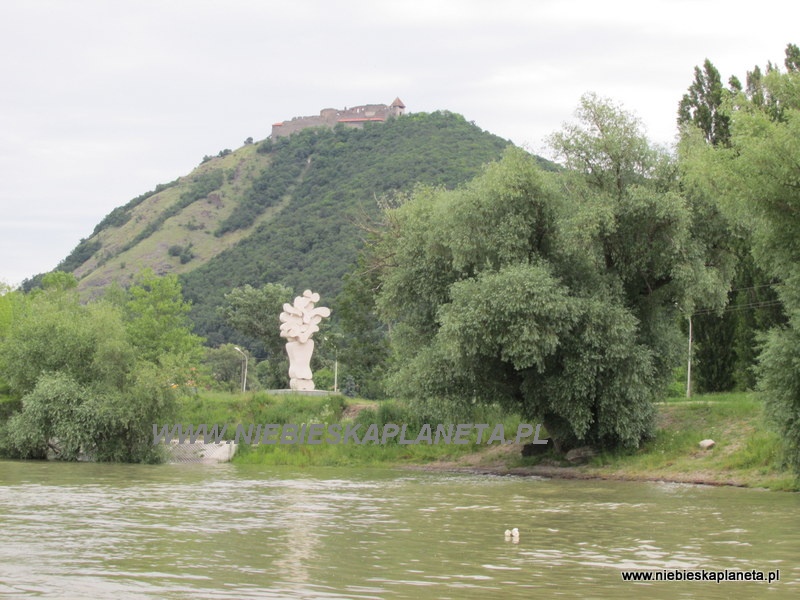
column 298, row 323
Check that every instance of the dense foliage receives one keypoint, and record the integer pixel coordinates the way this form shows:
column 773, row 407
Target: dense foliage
column 254, row 313
column 756, row 177
column 89, row 380
column 279, row 179
column 725, row 344
column 79, row 255
column 553, row 294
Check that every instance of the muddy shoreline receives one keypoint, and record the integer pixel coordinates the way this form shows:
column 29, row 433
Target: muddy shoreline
column 575, row 473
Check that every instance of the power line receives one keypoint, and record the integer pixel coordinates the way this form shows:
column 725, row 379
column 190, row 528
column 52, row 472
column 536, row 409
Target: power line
column 756, row 287
column 765, row 304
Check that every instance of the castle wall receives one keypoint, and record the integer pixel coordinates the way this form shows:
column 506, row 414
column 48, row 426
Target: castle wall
column 354, row 116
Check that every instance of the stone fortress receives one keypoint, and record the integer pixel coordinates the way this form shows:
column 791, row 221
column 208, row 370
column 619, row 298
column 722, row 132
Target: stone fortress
column 355, row 116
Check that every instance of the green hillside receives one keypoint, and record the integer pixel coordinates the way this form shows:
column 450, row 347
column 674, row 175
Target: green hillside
column 282, row 211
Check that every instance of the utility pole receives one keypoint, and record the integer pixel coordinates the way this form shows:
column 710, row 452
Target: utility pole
column 689, row 363
column 244, row 368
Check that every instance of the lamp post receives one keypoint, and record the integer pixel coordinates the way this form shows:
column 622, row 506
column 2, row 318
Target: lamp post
column 334, row 341
column 244, row 368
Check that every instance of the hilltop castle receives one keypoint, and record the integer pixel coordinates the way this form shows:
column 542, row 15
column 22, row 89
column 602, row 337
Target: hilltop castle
column 354, row 116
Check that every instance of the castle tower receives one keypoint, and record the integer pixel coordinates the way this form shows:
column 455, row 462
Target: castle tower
column 397, row 108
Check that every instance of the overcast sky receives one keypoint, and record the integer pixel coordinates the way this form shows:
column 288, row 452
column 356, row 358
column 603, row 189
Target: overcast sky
column 101, row 100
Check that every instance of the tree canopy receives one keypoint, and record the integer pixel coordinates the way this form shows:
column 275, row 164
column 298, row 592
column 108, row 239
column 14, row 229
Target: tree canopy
column 553, row 294
column 91, row 379
column 757, row 180
column 255, row 312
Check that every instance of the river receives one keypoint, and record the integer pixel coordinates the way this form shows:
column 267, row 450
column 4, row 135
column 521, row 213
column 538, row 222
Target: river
column 87, row 530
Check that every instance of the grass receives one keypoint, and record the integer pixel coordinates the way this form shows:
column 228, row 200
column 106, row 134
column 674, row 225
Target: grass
column 232, row 409
column 193, row 225
column 261, row 408
column 747, row 453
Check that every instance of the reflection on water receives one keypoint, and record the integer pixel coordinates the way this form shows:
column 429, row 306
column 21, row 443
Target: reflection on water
column 225, row 531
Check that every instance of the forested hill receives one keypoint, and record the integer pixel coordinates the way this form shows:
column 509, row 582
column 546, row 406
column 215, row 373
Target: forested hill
column 282, row 211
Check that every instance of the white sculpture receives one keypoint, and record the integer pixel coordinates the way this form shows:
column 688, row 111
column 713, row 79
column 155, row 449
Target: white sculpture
column 298, row 324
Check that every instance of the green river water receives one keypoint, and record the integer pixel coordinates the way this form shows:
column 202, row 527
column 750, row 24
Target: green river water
column 227, row 531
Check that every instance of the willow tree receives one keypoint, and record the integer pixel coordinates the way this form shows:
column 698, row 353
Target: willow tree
column 93, row 378
column 554, row 295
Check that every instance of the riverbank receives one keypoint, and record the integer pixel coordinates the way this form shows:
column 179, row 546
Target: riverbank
column 746, row 452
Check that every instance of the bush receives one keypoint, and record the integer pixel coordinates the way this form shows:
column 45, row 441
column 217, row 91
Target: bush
column 780, row 384
column 71, row 420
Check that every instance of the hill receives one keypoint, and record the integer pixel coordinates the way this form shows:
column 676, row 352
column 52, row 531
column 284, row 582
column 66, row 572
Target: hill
column 282, row 210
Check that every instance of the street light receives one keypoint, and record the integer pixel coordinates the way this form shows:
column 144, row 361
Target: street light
column 335, row 363
column 336, row 371
column 244, row 368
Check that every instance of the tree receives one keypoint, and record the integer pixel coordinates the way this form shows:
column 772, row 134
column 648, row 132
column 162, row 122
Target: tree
column 702, row 105
column 362, row 344
column 54, row 417
column 724, row 342
column 84, row 387
column 10, row 302
column 93, row 378
column 255, row 312
column 157, row 318
column 792, row 61
column 55, row 333
column 758, row 181
column 726, row 345
column 555, row 295
column 59, row 280
column 226, row 365
column 606, row 145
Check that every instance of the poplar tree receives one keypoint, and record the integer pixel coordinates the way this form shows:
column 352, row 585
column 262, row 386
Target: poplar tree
column 701, row 105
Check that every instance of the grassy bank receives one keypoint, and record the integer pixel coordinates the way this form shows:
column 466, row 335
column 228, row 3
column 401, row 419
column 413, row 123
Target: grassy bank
column 746, row 453
column 261, row 408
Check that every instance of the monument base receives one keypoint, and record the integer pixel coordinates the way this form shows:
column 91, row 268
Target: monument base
column 302, row 392
column 302, row 385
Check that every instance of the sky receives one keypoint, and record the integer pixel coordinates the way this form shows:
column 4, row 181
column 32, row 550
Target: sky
column 102, row 100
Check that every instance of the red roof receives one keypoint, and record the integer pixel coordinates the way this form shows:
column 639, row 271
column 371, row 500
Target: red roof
column 360, row 119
